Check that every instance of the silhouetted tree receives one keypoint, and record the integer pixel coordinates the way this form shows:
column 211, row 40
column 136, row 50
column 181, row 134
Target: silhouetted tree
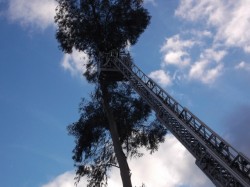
column 98, row 27
column 94, row 151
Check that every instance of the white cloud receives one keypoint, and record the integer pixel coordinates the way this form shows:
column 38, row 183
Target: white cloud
column 204, row 33
column 35, row 13
column 176, row 43
column 202, row 72
column 175, row 51
column 170, row 166
column 75, row 62
column 197, row 69
column 64, row 180
column 243, row 65
column 213, row 54
column 210, row 10
column 161, row 77
column 201, row 53
column 199, row 34
column 208, row 68
column 234, row 32
column 179, row 58
column 208, row 64
column 229, row 18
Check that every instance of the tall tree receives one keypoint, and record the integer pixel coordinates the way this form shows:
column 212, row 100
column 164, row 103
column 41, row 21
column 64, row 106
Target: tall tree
column 98, row 27
column 94, row 150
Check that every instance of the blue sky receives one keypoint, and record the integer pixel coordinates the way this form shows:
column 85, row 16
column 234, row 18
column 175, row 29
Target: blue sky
column 199, row 51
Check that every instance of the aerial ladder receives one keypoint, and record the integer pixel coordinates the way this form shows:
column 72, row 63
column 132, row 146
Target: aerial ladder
column 223, row 164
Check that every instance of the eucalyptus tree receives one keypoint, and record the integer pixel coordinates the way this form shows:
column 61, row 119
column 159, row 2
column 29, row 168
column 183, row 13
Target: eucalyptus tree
column 98, row 27
column 94, row 152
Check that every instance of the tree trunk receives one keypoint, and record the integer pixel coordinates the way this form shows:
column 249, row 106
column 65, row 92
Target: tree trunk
column 121, row 158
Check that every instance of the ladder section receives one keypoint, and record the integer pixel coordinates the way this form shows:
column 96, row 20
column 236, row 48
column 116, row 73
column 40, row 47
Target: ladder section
column 214, row 156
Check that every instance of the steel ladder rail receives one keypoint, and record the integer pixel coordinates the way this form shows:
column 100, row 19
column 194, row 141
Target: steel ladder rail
column 216, row 158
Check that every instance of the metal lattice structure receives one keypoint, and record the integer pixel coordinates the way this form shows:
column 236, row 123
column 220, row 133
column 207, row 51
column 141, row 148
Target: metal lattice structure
column 224, row 165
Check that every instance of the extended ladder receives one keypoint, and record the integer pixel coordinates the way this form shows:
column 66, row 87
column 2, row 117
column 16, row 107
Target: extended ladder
column 223, row 164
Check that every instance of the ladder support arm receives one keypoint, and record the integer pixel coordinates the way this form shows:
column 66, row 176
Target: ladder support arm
column 214, row 156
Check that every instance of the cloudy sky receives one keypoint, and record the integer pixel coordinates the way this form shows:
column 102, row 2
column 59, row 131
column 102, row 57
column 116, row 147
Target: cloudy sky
column 198, row 51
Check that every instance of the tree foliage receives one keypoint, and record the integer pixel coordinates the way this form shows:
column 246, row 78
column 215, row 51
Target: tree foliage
column 94, row 153
column 98, row 27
